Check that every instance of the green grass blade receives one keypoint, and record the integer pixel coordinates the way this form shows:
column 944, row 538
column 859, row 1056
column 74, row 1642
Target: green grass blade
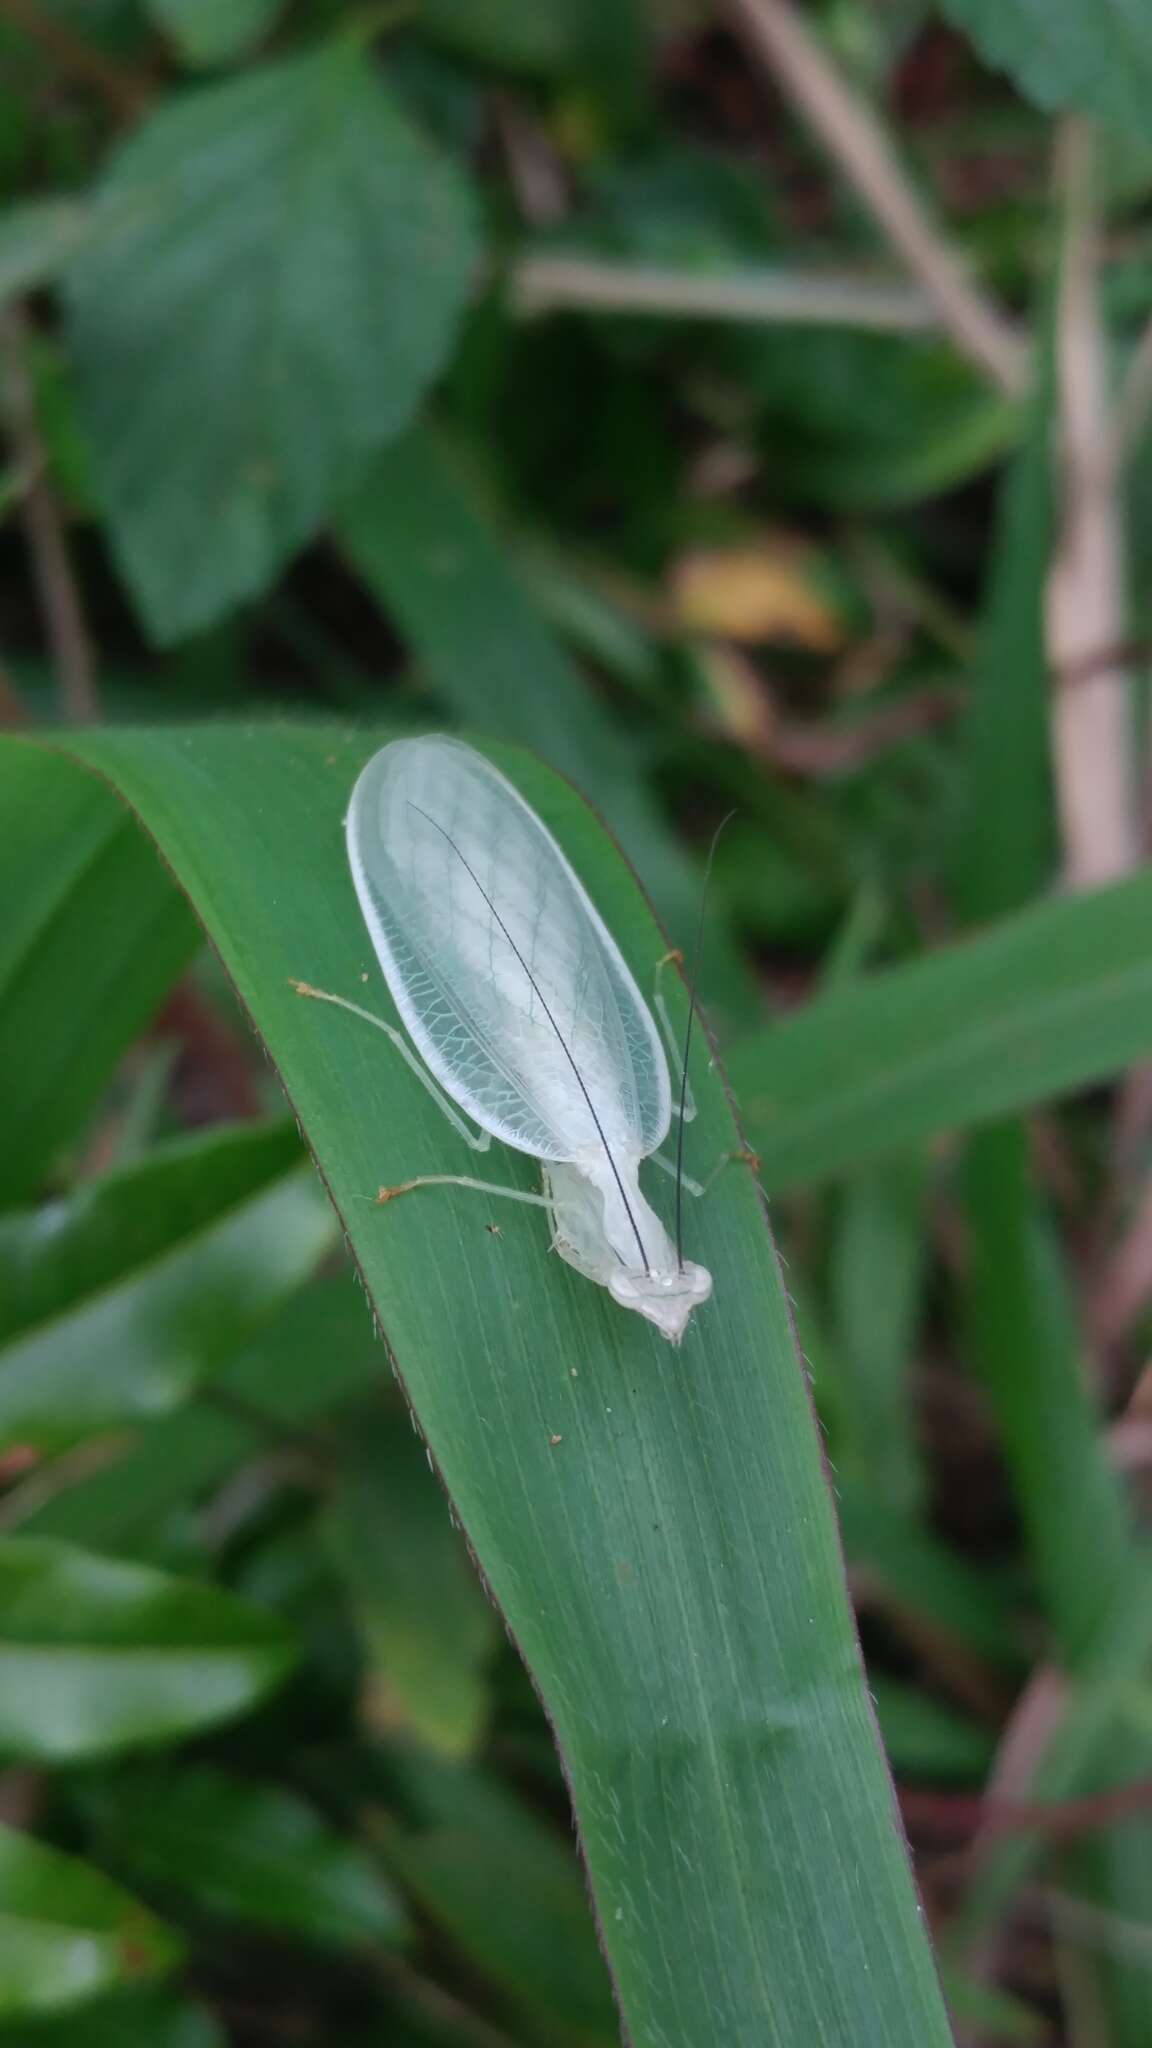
column 157, row 1270
column 655, row 1524
column 1044, row 1002
column 84, row 908
column 423, row 548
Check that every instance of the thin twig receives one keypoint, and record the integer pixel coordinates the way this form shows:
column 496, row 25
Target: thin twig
column 585, row 284
column 1093, row 1926
column 854, row 137
column 44, row 528
column 1092, row 733
column 536, row 171
column 1026, row 1736
column 124, row 91
column 964, row 1814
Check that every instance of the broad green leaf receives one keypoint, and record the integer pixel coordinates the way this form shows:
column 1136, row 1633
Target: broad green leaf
column 98, row 1656
column 117, row 1299
column 427, row 553
column 271, row 321
column 129, row 2019
column 67, row 1933
column 318, row 1351
column 246, row 1852
column 1042, row 1003
column 92, row 936
column 655, row 1524
column 214, row 31
column 427, row 1626
column 1076, row 56
column 37, row 239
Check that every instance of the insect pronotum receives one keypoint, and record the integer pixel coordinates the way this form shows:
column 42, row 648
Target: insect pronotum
column 520, row 1008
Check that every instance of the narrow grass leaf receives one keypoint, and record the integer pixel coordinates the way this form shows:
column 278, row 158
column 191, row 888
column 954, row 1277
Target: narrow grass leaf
column 426, row 552
column 464, row 1845
column 427, row 1628
column 93, row 934
column 655, row 1524
column 1045, row 1002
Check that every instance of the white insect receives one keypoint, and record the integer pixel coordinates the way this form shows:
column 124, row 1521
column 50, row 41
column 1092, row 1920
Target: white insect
column 521, row 1009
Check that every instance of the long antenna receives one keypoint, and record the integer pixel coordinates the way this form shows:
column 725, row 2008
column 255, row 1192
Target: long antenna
column 692, row 987
column 566, row 1049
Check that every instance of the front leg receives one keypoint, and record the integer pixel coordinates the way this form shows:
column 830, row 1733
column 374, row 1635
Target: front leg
column 478, row 1140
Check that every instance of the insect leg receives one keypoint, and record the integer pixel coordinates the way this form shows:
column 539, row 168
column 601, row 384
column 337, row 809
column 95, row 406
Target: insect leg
column 668, row 1166
column 478, row 1140
column 697, row 1187
column 671, row 1038
column 462, row 1180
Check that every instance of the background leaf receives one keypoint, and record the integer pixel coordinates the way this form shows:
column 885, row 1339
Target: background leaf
column 149, row 2019
column 425, row 551
column 319, row 1351
column 97, row 1656
column 305, row 264
column 92, row 936
column 466, row 1847
column 428, row 1628
column 1041, row 1003
column 246, row 1852
column 66, row 1932
column 158, row 1271
column 213, row 31
column 1092, row 60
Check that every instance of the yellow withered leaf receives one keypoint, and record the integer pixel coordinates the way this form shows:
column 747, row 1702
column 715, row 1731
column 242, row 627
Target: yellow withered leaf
column 768, row 590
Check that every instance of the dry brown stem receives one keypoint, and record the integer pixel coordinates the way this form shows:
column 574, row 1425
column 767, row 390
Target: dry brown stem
column 1085, row 597
column 779, row 38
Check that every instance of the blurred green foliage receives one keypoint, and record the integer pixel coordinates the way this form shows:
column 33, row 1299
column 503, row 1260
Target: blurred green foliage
column 539, row 371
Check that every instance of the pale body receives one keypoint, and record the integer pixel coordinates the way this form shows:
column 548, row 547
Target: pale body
column 521, row 1007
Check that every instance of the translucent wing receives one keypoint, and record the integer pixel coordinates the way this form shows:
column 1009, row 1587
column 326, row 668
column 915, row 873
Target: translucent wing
column 495, row 955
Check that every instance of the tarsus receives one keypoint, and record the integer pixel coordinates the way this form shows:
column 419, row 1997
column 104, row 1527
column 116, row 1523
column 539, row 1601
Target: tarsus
column 566, row 1049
